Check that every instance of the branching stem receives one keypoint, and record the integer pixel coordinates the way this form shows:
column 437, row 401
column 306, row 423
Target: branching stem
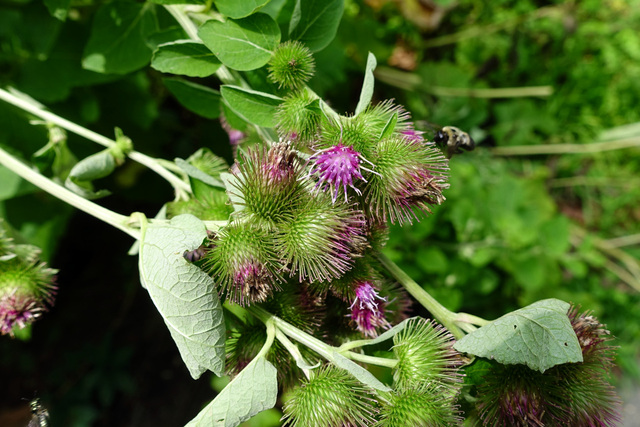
column 179, row 185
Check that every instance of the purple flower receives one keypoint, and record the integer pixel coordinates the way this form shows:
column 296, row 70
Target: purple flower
column 367, row 310
column 413, row 135
column 17, row 310
column 336, row 167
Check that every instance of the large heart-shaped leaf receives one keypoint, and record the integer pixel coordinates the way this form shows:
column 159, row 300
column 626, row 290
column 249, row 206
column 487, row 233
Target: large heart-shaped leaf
column 183, row 294
column 539, row 336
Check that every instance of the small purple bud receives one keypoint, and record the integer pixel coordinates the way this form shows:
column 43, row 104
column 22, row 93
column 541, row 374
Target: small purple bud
column 336, row 167
column 367, row 310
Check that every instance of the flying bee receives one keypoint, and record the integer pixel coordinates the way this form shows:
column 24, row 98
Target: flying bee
column 452, row 140
column 39, row 414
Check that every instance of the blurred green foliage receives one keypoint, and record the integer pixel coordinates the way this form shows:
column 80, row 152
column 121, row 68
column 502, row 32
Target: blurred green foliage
column 517, row 229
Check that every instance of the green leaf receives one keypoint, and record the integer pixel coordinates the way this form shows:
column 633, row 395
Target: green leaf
column 89, row 169
column 315, row 22
column 255, row 107
column 539, row 336
column 239, row 9
column 13, row 185
column 117, row 43
column 200, row 99
column 58, row 8
column 367, row 86
column 185, row 57
column 254, row 390
column 244, row 44
column 358, row 372
column 194, row 172
column 184, row 295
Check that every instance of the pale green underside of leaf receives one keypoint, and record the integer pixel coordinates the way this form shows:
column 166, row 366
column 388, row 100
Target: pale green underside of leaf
column 539, row 336
column 360, row 373
column 315, row 22
column 367, row 86
column 183, row 294
column 254, row 390
column 255, row 107
column 185, row 57
column 243, row 44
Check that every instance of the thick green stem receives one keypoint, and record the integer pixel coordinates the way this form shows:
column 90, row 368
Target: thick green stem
column 179, row 185
column 441, row 313
column 120, row 222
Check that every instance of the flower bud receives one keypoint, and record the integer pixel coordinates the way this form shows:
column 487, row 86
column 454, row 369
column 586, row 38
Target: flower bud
column 331, row 397
column 320, row 239
column 243, row 263
column 408, row 176
column 298, row 118
column 26, row 287
column 425, row 354
column 422, row 406
column 291, row 65
column 267, row 185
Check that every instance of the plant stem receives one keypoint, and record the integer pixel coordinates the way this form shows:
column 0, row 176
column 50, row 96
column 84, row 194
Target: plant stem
column 411, row 81
column 595, row 147
column 271, row 335
column 179, row 185
column 323, row 349
column 441, row 313
column 118, row 221
column 629, row 240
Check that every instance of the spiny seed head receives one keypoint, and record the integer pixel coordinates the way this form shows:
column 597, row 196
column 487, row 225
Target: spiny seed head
column 368, row 310
column 266, row 183
column 424, row 406
column 515, row 395
column 425, row 355
column 408, row 176
column 320, row 239
column 243, row 263
column 26, row 290
column 337, row 168
column 331, row 397
column 593, row 337
column 298, row 118
column 291, row 65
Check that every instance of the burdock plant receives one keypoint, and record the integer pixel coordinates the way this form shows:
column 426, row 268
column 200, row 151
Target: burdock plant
column 270, row 268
